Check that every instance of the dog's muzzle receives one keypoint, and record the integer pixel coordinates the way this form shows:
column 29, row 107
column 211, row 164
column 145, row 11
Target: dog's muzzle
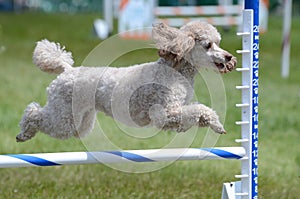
column 228, row 66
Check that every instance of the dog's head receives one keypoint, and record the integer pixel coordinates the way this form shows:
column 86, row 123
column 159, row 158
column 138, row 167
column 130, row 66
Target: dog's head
column 196, row 42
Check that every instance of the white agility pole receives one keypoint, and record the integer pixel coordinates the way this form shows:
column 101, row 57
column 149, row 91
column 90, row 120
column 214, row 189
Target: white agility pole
column 217, row 15
column 100, row 157
column 222, row 15
column 286, row 43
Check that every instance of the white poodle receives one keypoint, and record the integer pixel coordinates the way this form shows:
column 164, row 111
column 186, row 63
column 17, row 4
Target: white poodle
column 157, row 93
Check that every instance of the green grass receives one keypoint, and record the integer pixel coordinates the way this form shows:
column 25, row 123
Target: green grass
column 21, row 82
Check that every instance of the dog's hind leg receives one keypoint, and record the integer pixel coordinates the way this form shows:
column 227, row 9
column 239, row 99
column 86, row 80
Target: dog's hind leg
column 30, row 122
column 84, row 122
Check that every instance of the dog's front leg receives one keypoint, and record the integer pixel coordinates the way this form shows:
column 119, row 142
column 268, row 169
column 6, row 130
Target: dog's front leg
column 183, row 118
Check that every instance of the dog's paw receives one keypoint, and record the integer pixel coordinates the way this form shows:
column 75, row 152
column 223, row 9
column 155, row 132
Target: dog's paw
column 217, row 127
column 23, row 137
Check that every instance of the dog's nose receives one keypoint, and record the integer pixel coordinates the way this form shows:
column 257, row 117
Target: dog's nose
column 228, row 57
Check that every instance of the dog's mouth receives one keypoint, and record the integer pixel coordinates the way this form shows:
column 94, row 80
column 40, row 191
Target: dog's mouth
column 226, row 67
column 220, row 66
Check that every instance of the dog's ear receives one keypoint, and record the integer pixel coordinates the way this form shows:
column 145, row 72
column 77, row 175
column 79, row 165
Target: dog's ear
column 172, row 40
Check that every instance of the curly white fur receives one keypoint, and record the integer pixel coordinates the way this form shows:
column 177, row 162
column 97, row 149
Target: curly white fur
column 51, row 57
column 157, row 93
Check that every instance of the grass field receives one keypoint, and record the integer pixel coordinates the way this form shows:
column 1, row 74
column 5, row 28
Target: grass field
column 21, row 83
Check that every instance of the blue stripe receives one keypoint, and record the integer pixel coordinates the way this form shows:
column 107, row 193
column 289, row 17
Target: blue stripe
column 34, row 160
column 130, row 156
column 222, row 153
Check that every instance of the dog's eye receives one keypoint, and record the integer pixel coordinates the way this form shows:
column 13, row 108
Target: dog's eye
column 208, row 45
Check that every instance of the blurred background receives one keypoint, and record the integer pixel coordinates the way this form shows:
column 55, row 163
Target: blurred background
column 77, row 6
column 82, row 25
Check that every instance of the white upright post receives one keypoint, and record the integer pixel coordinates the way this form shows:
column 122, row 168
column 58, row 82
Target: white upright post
column 108, row 14
column 249, row 170
column 246, row 105
column 247, row 187
column 286, row 44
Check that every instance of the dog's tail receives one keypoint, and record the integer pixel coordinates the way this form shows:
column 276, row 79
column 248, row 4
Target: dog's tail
column 51, row 57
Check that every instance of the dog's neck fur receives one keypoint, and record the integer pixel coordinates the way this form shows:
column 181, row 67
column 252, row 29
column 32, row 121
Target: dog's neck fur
column 179, row 64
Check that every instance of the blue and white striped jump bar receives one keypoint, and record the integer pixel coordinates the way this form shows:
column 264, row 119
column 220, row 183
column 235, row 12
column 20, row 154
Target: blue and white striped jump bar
column 126, row 156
